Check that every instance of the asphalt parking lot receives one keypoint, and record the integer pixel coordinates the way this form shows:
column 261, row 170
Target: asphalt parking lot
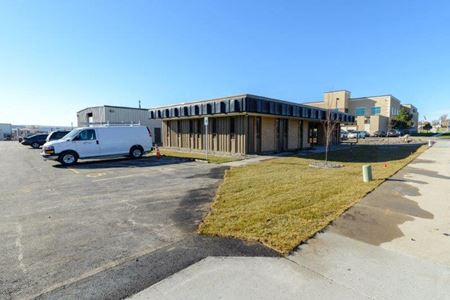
column 102, row 229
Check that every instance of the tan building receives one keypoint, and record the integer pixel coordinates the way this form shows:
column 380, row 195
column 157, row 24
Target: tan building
column 244, row 124
column 373, row 113
column 415, row 115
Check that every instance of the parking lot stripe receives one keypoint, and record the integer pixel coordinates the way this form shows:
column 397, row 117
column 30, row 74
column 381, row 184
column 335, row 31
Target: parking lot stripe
column 119, row 177
column 73, row 170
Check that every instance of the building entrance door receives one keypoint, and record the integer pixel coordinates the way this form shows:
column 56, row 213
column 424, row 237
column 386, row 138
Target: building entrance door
column 282, row 134
column 258, row 134
column 157, row 133
column 312, row 134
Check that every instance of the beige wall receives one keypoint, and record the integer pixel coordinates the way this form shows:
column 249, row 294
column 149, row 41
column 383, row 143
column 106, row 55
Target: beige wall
column 293, row 133
column 336, row 99
column 360, row 123
column 267, row 134
column 379, row 123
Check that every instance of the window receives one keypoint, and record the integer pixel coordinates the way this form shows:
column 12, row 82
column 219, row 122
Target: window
column 360, row 111
column 86, row 135
column 90, row 117
column 61, row 134
column 376, row 110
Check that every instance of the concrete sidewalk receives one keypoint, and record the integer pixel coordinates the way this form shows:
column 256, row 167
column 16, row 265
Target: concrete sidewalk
column 394, row 244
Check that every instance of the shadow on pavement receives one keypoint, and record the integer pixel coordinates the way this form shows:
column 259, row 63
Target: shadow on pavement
column 125, row 162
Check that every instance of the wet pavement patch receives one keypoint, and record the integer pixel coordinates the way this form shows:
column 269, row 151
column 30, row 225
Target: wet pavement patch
column 370, row 225
column 376, row 219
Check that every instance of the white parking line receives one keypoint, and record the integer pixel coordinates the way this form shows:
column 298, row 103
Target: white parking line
column 73, row 170
column 119, row 177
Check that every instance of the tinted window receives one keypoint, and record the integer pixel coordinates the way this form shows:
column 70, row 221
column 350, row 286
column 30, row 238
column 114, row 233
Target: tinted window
column 61, row 134
column 86, row 135
column 360, row 111
column 376, row 110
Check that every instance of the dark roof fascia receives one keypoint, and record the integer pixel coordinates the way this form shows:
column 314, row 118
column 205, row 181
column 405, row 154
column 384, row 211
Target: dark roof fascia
column 241, row 96
column 174, row 111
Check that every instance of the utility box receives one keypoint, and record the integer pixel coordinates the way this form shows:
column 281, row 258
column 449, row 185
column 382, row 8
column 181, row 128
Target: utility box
column 367, row 173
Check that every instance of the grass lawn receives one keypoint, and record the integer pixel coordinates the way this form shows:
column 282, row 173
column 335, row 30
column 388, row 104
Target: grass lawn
column 423, row 134
column 211, row 158
column 282, row 202
column 445, row 136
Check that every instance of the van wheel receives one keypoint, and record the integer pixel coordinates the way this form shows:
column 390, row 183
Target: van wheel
column 35, row 145
column 136, row 152
column 68, row 158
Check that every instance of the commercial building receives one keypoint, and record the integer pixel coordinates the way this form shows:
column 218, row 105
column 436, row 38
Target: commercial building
column 5, row 131
column 373, row 113
column 108, row 114
column 244, row 124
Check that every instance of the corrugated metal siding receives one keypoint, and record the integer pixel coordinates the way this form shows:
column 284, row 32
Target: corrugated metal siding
column 118, row 115
column 98, row 115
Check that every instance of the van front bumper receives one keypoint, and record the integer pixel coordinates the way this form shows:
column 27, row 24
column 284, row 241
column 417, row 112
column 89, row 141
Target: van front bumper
column 49, row 156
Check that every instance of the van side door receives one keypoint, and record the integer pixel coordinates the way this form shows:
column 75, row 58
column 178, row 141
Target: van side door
column 86, row 143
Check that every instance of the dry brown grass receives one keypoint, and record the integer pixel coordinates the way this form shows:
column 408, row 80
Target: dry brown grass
column 282, row 202
column 211, row 158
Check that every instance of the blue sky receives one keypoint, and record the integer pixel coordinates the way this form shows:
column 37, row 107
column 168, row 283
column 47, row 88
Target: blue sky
column 57, row 57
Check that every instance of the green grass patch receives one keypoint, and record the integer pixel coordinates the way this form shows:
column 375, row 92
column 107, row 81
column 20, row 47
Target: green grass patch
column 284, row 201
column 211, row 158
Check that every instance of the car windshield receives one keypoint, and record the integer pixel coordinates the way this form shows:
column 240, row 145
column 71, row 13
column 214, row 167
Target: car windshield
column 72, row 134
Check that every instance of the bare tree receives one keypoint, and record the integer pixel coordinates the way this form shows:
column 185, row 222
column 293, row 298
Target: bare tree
column 443, row 120
column 329, row 125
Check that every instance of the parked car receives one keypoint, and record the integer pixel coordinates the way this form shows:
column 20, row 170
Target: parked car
column 95, row 142
column 379, row 133
column 56, row 135
column 356, row 134
column 363, row 134
column 393, row 133
column 35, row 140
column 352, row 134
column 344, row 135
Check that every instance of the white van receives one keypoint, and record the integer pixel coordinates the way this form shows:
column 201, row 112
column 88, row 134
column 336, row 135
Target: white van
column 94, row 142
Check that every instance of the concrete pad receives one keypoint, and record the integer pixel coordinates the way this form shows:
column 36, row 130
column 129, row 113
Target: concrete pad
column 247, row 278
column 372, row 270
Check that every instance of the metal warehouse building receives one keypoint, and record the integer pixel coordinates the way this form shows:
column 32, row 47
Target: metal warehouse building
column 5, row 131
column 244, row 124
column 108, row 114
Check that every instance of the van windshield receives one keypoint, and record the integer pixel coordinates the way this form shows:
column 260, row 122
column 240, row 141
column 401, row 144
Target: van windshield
column 72, row 134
